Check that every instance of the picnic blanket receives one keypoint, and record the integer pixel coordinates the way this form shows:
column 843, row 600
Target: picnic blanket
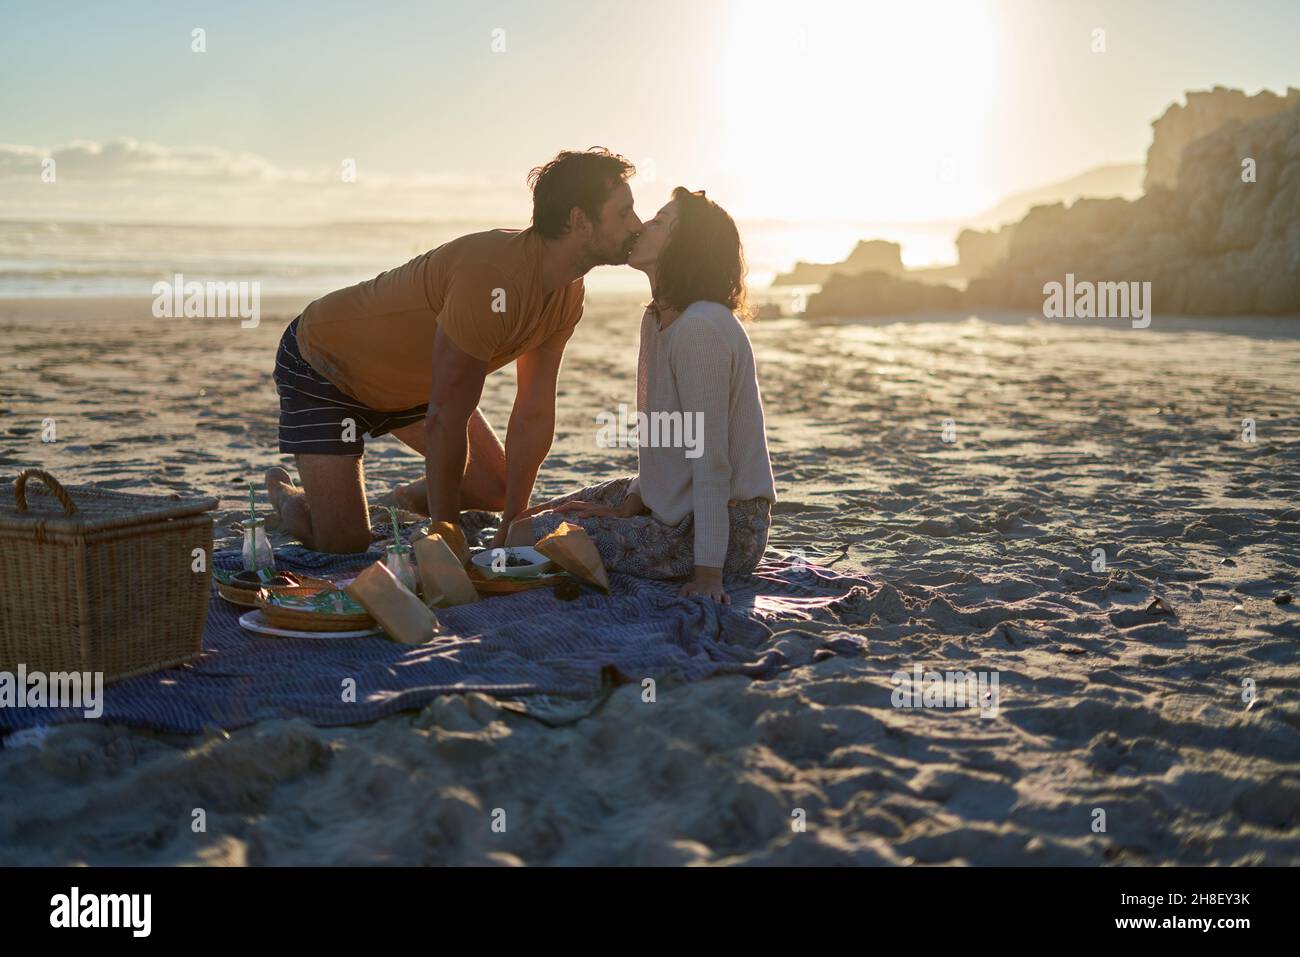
column 514, row 646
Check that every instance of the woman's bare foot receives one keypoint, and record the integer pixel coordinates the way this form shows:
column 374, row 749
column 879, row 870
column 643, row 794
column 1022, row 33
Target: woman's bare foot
column 413, row 498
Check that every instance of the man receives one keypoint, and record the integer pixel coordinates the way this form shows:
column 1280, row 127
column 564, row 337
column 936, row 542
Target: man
column 407, row 352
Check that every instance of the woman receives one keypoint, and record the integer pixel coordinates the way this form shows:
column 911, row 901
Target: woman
column 701, row 505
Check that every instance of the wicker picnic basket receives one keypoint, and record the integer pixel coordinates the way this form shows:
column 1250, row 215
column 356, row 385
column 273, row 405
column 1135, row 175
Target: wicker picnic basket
column 101, row 581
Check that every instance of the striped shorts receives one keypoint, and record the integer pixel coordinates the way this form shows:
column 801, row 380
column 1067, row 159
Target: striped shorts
column 318, row 418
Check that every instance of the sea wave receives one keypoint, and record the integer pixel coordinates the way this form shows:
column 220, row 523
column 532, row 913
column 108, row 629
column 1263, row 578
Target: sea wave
column 88, row 258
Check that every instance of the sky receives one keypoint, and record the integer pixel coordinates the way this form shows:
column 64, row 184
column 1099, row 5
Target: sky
column 816, row 109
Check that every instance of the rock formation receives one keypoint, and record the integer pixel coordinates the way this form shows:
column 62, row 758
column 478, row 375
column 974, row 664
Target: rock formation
column 1222, row 240
column 874, row 255
column 1216, row 232
column 880, row 294
column 979, row 251
column 1204, row 112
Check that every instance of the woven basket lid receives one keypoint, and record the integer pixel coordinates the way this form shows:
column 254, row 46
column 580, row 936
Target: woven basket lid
column 37, row 499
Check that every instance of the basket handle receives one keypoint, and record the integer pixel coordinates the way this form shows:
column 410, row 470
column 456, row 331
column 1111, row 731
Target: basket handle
column 20, row 490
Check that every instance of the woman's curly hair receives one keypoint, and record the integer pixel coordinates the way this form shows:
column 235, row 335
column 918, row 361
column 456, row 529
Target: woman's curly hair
column 702, row 258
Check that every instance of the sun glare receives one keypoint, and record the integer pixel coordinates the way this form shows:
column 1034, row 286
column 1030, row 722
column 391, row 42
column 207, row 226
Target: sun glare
column 863, row 111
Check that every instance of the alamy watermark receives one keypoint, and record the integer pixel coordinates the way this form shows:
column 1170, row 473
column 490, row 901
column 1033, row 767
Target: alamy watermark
column 58, row 689
column 946, row 689
column 1098, row 300
column 211, row 300
column 671, row 430
column 75, row 909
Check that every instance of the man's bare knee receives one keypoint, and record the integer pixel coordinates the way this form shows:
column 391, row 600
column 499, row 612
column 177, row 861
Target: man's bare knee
column 341, row 541
column 334, row 488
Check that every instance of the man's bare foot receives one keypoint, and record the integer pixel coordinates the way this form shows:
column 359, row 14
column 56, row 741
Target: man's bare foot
column 279, row 486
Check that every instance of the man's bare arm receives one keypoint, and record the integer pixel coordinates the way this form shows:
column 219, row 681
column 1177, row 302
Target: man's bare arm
column 457, row 386
column 532, row 421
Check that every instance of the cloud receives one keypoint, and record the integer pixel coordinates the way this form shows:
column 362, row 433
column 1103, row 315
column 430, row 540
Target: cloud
column 126, row 159
column 127, row 179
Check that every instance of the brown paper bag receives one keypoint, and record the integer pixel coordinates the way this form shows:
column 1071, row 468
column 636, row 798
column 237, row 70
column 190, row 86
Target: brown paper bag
column 402, row 615
column 454, row 537
column 570, row 547
column 442, row 574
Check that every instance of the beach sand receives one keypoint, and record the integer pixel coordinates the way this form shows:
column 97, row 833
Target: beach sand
column 1066, row 437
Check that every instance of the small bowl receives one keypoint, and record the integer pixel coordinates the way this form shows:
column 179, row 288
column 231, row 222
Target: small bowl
column 537, row 563
column 249, row 580
column 238, row 589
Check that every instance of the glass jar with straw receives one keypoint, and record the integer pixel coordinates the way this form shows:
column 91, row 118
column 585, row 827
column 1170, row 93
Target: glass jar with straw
column 397, row 556
column 257, row 553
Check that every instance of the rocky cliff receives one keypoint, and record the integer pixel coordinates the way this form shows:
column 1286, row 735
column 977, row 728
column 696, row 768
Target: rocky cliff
column 1224, row 239
column 1203, row 113
column 1216, row 232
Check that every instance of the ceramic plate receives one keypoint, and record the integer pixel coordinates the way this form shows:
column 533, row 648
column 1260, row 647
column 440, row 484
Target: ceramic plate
column 256, row 621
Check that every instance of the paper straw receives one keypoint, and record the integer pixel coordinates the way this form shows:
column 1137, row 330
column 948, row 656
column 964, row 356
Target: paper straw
column 397, row 535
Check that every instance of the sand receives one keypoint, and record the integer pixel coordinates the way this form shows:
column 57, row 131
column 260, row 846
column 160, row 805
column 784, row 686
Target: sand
column 1067, row 437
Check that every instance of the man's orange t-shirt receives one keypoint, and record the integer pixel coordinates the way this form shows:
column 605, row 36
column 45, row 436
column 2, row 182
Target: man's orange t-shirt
column 374, row 340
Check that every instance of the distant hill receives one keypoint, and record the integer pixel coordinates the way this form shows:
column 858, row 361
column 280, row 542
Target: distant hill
column 1118, row 179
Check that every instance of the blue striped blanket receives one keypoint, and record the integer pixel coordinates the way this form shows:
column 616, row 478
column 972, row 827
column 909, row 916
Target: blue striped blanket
column 526, row 644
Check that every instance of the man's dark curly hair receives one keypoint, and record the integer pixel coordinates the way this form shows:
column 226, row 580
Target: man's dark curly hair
column 584, row 180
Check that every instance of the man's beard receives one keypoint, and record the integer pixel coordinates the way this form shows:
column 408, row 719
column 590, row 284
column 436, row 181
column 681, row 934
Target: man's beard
column 606, row 254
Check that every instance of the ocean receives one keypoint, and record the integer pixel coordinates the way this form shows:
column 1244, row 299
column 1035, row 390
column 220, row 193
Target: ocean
column 93, row 259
